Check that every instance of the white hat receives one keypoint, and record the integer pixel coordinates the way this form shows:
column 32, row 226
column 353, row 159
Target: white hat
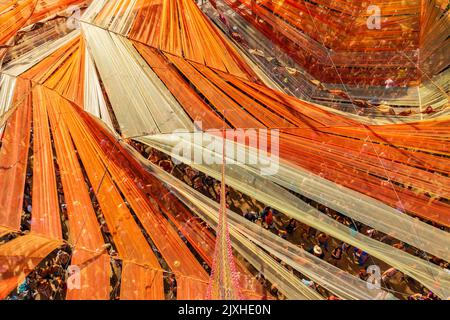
column 317, row 250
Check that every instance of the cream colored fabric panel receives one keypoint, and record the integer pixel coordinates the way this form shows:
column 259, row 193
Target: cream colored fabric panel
column 169, row 114
column 120, row 84
column 240, row 178
column 94, row 102
column 435, row 92
column 7, row 85
column 91, row 12
column 124, row 19
column 140, row 105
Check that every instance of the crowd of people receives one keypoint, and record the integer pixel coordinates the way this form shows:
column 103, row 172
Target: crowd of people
column 47, row 281
column 335, row 252
column 291, row 75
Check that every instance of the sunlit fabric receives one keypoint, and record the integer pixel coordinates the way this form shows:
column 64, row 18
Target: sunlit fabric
column 13, row 153
column 20, row 256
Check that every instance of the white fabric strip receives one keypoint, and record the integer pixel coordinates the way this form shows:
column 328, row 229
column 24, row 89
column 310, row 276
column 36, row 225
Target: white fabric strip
column 94, row 102
column 124, row 18
column 92, row 11
column 141, row 103
column 7, row 86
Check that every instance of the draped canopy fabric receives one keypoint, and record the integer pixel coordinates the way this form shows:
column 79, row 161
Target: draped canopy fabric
column 72, row 102
column 173, row 26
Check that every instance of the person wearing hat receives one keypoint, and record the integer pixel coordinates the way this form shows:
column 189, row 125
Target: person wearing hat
column 322, row 238
column 318, row 252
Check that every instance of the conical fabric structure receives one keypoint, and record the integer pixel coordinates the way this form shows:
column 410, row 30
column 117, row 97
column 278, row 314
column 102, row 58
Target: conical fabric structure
column 223, row 284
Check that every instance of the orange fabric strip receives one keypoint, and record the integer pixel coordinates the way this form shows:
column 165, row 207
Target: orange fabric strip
column 45, row 216
column 13, row 158
column 83, row 225
column 20, row 256
column 137, row 282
